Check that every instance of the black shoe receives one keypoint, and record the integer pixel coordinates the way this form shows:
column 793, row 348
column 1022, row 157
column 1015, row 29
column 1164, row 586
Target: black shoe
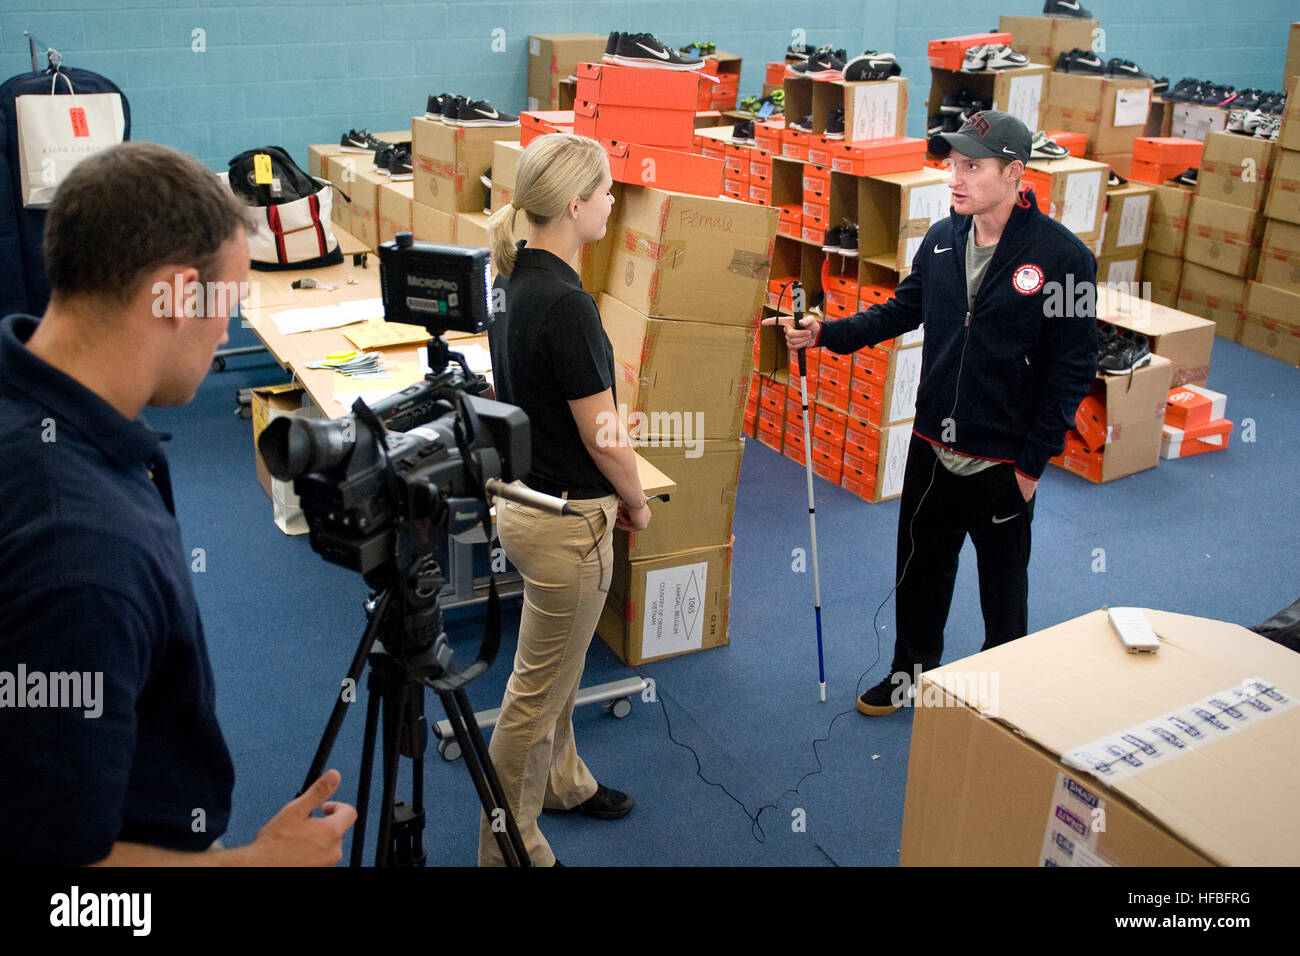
column 849, row 240
column 1161, row 85
column 1182, row 90
column 1123, row 352
column 935, row 125
column 1066, row 8
column 357, row 142
column 955, row 103
column 743, row 132
column 803, row 125
column 646, row 51
column 1043, row 148
column 604, row 804
column 480, row 113
column 399, row 165
column 611, row 45
column 1116, row 180
column 1118, row 67
column 835, row 124
column 486, row 180
column 1188, row 178
column 825, row 64
column 872, row 66
column 831, row 241
column 1080, row 61
column 887, row 696
column 433, row 109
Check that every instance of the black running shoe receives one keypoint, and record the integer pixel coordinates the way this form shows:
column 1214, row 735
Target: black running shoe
column 1117, row 67
column 482, row 113
column 1125, row 352
column 835, row 124
column 399, row 165
column 646, row 51
column 451, row 104
column 849, row 240
column 434, row 108
column 799, row 51
column 1161, row 86
column 872, row 66
column 1188, row 177
column 887, row 696
column 831, row 241
column 743, row 132
column 1115, row 180
column 611, row 45
column 1066, row 8
column 803, row 125
column 1183, row 90
column 382, row 158
column 955, row 103
column 356, row 142
column 1080, row 61
column 825, row 64
column 934, row 125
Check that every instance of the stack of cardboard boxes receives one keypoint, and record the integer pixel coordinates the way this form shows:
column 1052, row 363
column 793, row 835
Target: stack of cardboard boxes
column 1271, row 320
column 357, row 187
column 1021, row 91
column 448, row 194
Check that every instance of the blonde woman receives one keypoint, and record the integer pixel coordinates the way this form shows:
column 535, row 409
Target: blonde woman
column 551, row 357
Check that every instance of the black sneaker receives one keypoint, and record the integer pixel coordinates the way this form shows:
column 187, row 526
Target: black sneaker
column 646, row 51
column 803, row 124
column 611, row 45
column 849, row 240
column 799, row 51
column 1080, row 61
column 934, row 125
column 1117, row 67
column 743, row 132
column 382, row 158
column 451, row 104
column 954, row 103
column 433, row 110
column 871, row 66
column 887, row 696
column 604, row 804
column 357, row 142
column 1188, row 177
column 1161, row 85
column 481, row 113
column 1183, row 90
column 831, row 242
column 1115, row 180
column 975, row 106
column 399, row 165
column 1128, row 351
column 1066, row 8
column 1044, row 148
column 825, row 64
column 834, row 124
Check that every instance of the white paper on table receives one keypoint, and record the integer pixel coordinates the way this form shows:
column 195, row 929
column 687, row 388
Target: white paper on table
column 674, row 609
column 875, row 111
column 1133, row 221
column 292, row 321
column 477, row 358
column 1024, row 97
column 362, row 310
column 1082, row 192
column 1131, row 106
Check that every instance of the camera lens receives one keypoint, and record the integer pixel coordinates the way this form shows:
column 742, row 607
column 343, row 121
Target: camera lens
column 292, row 447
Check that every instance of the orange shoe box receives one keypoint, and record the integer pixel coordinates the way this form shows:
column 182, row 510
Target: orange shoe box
column 540, row 122
column 1168, row 151
column 794, row 144
column 1076, row 143
column 1154, row 173
column 1191, row 406
column 1184, row 442
column 607, row 84
column 827, row 466
column 949, row 52
column 648, row 126
column 1090, row 422
column 816, row 183
column 874, row 157
column 770, row 136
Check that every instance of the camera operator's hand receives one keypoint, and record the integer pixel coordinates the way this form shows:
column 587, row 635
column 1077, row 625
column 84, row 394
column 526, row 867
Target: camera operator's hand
column 803, row 337
column 293, row 837
column 629, row 520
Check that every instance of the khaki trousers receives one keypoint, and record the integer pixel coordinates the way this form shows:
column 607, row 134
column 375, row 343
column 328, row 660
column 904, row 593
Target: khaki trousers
column 566, row 573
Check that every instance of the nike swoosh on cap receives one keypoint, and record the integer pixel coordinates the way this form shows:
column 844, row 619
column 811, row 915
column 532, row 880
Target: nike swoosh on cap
column 662, row 56
column 1011, row 151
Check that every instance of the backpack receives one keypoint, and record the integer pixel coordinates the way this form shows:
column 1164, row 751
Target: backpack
column 294, row 213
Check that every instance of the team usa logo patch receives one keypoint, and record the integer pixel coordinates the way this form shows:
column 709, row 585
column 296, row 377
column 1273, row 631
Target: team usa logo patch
column 1028, row 279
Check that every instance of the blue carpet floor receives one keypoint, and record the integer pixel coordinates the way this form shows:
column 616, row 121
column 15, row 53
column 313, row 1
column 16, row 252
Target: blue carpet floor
column 1208, row 536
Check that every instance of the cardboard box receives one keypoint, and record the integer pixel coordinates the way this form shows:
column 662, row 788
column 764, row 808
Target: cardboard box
column 1279, row 255
column 1011, row 754
column 875, row 459
column 472, row 229
column 1111, row 110
column 319, row 153
column 689, row 379
column 1127, row 220
column 1193, row 121
column 1272, row 322
column 1022, row 92
column 1121, row 163
column 395, row 201
column 432, row 225
column 1191, row 406
column 1043, row 39
column 1135, row 418
column 553, row 57
column 1213, row 295
column 700, row 511
column 1186, row 340
column 873, row 109
column 1291, row 69
column 1223, row 236
column 1284, row 194
column 1236, row 169
column 1162, row 274
column 1071, row 191
column 505, row 164
column 447, row 162
column 690, row 258
column 1288, row 137
column 650, row 126
column 1122, row 268
column 269, row 403
column 1167, row 233
column 640, row 165
column 895, row 211
column 1168, row 151
column 667, row 605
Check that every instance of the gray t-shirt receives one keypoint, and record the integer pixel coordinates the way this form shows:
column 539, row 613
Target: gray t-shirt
column 977, row 263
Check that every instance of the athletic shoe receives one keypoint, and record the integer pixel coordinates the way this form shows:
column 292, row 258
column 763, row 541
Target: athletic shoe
column 1269, row 128
column 803, row 125
column 1044, row 148
column 486, row 180
column 825, row 64
column 955, row 103
column 975, row 106
column 703, row 48
column 1161, row 85
column 1125, row 352
column 1004, row 58
column 604, row 804
column 435, row 106
column 834, row 124
column 934, row 125
column 481, row 113
column 953, row 124
column 399, row 165
column 451, row 104
column 1117, row 67
column 1066, row 8
column 885, row 697
column 357, row 142
column 849, row 240
column 1188, row 177
column 1080, row 61
column 976, row 58
column 382, row 158
column 646, row 51
column 872, row 66
column 749, row 104
column 1116, row 180
column 831, row 242
column 743, row 132
column 799, row 51
column 611, row 45
column 1183, row 90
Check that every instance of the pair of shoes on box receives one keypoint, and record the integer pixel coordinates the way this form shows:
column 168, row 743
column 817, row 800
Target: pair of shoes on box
column 1066, row 8
column 992, row 56
column 457, row 110
column 1121, row 351
column 646, row 51
column 842, row 239
column 830, row 64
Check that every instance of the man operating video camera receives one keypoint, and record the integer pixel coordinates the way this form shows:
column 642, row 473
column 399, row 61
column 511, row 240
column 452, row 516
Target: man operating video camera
column 93, row 579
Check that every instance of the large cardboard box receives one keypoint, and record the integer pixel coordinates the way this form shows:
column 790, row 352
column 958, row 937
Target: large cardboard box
column 1167, row 233
column 395, row 204
column 364, row 220
column 318, row 153
column 1135, row 418
column 553, row 57
column 1127, row 220
column 667, row 605
column 432, row 225
column 1193, row 121
column 1213, row 295
column 1120, row 269
column 1162, row 275
column 1022, row 91
column 447, row 162
column 895, row 211
column 1072, row 191
column 505, row 163
column 1061, row 749
column 1043, row 39
column 1235, row 169
column 1279, row 255
column 1284, row 194
column 472, row 229
column 873, row 109
column 269, row 403
column 1186, row 340
column 1291, row 69
column 700, row 510
column 1272, row 322
column 1288, row 137
column 678, row 379
column 1223, row 236
column 691, row 258
column 1111, row 110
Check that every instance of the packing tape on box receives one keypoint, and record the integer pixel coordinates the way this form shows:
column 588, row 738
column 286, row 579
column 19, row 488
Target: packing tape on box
column 748, row 264
column 1074, row 818
column 1152, row 743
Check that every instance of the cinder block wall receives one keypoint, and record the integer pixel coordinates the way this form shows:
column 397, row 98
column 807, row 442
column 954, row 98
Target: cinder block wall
column 214, row 79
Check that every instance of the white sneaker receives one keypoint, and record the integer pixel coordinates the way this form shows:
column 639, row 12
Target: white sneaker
column 1044, row 148
column 976, row 58
column 1003, row 57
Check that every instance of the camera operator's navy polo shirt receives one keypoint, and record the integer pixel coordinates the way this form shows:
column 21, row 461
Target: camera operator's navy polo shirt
column 94, row 585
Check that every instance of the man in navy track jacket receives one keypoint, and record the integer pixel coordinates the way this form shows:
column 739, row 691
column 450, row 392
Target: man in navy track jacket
column 1010, row 351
